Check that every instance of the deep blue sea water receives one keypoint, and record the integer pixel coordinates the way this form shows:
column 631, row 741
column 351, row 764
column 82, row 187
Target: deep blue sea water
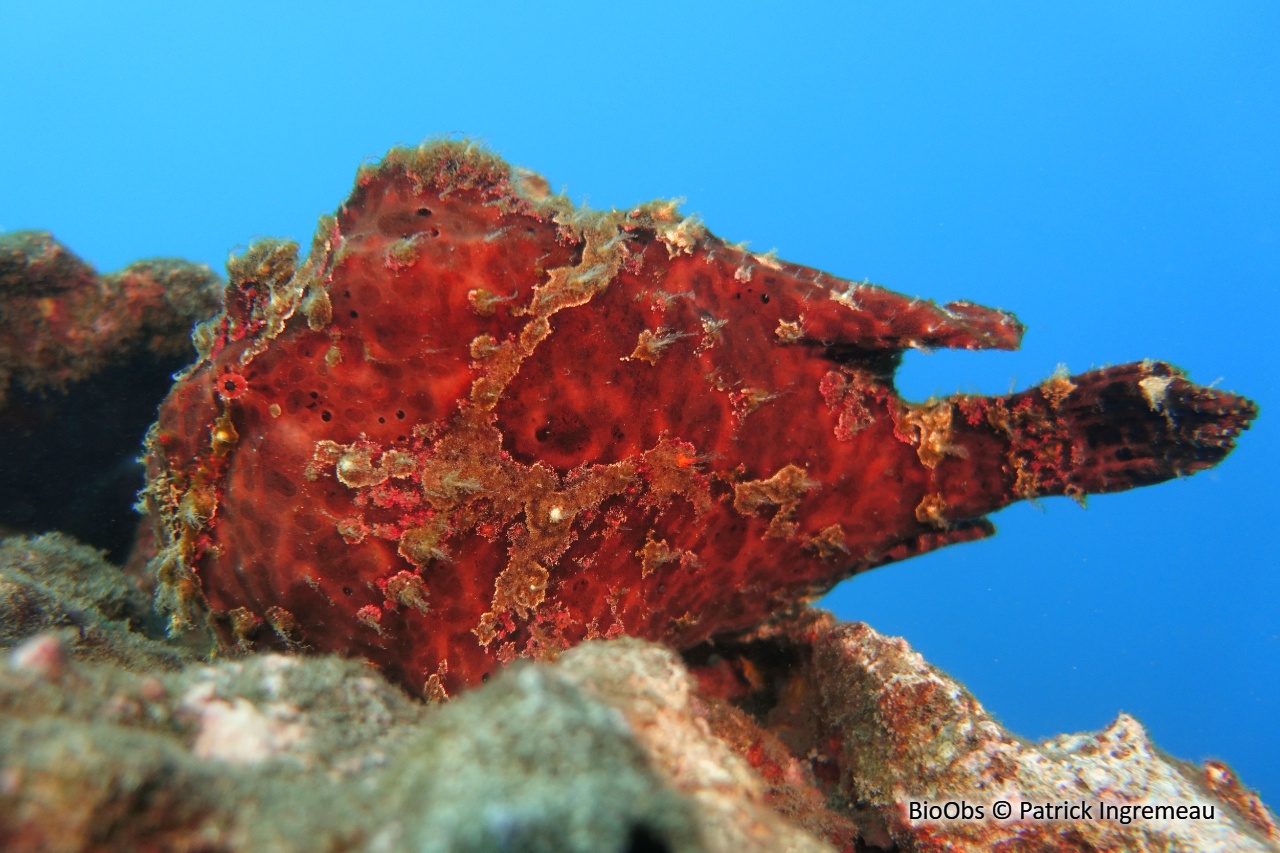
column 1108, row 171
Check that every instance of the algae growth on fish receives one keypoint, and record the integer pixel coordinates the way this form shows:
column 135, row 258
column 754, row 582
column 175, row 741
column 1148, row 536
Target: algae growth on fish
column 479, row 423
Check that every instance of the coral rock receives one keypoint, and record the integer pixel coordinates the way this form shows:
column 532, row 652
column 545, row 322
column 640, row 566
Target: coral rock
column 62, row 322
column 479, row 423
column 55, row 590
column 84, row 360
column 882, row 729
column 614, row 747
column 606, row 751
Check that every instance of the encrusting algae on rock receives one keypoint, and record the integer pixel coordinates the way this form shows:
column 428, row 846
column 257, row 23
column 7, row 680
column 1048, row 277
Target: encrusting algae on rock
column 479, row 423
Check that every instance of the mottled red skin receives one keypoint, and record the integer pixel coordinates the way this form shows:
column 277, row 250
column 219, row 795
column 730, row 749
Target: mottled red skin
column 404, row 326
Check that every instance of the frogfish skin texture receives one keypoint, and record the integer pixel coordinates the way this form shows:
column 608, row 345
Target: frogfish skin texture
column 479, row 423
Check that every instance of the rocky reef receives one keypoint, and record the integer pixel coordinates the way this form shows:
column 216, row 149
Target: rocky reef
column 83, row 360
column 493, row 524
column 807, row 736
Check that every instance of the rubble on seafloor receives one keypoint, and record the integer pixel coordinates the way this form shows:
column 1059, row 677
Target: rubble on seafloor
column 808, row 736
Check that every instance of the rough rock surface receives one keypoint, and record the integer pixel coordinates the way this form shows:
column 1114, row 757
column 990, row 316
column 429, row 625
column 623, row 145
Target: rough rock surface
column 884, row 729
column 52, row 584
column 279, row 752
column 84, row 360
column 61, row 322
column 810, row 736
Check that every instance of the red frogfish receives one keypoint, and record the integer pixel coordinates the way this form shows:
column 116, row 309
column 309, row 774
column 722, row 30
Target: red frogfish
column 478, row 423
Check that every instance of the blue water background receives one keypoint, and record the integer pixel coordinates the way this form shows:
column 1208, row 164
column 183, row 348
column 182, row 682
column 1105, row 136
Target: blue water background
column 1108, row 171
